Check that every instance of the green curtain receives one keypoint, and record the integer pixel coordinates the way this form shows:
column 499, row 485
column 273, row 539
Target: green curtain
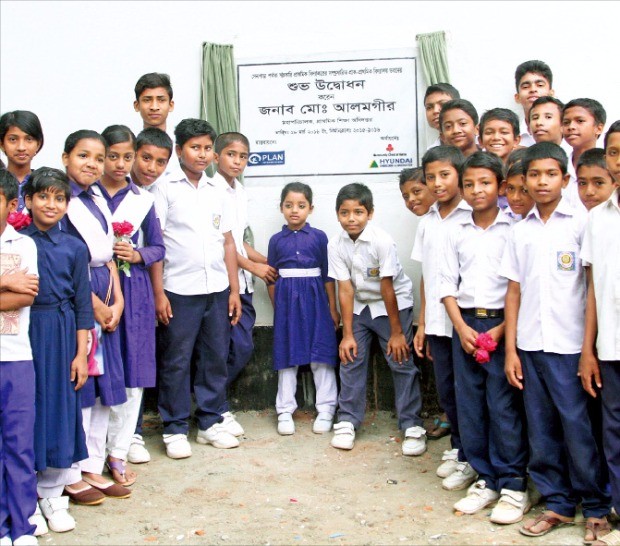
column 219, row 103
column 434, row 54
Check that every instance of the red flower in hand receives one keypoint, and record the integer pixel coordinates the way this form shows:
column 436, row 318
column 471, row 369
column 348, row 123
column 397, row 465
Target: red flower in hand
column 482, row 356
column 122, row 229
column 19, row 220
column 486, row 342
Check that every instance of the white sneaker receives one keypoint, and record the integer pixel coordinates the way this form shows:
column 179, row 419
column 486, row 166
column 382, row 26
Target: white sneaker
column 286, row 425
column 323, row 423
column 414, row 442
column 511, row 507
column 177, row 446
column 138, row 453
column 449, row 464
column 38, row 520
column 56, row 510
column 344, row 435
column 462, row 477
column 217, row 436
column 26, row 540
column 6, row 541
column 231, row 424
column 478, row 497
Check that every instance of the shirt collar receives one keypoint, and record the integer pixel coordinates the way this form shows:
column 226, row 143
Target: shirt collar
column 462, row 205
column 9, row 234
column 612, row 202
column 52, row 233
column 78, row 190
column 287, row 231
column 563, row 208
column 177, row 175
column 501, row 218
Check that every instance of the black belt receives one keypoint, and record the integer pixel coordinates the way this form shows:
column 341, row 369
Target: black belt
column 482, row 313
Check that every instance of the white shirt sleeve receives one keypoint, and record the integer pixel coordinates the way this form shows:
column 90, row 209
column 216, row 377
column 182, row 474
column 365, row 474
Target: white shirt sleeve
column 416, row 252
column 161, row 203
column 509, row 267
column 449, row 267
column 586, row 245
column 338, row 269
column 388, row 257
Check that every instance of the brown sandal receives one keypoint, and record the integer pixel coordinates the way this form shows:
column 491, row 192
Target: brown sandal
column 553, row 522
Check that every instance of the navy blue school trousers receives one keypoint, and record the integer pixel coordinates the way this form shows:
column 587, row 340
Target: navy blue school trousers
column 443, row 367
column 565, row 463
column 18, row 480
column 354, row 375
column 490, row 414
column 241, row 342
column 201, row 321
column 610, row 395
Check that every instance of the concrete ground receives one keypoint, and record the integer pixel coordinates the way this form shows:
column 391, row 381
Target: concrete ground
column 293, row 490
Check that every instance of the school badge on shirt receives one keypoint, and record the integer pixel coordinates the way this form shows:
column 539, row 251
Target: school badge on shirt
column 217, row 218
column 372, row 272
column 566, row 261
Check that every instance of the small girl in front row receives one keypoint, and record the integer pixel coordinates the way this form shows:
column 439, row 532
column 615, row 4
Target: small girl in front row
column 60, row 318
column 89, row 219
column 305, row 314
column 129, row 203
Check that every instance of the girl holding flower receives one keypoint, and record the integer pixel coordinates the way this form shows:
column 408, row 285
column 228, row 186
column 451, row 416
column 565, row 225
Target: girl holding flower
column 138, row 244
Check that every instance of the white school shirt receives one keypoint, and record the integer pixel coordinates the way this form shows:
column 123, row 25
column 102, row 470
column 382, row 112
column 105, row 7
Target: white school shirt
column 470, row 263
column 527, row 139
column 571, row 191
column 544, row 259
column 193, row 221
column 16, row 347
column 239, row 200
column 601, row 251
column 365, row 262
column 428, row 248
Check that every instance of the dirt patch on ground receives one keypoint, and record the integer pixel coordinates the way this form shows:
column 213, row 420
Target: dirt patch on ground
column 292, row 490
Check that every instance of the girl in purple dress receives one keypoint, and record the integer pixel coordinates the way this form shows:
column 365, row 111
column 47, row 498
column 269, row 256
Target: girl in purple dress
column 142, row 247
column 305, row 313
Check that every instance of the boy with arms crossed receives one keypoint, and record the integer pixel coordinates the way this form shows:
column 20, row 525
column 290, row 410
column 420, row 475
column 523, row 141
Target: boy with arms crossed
column 545, row 308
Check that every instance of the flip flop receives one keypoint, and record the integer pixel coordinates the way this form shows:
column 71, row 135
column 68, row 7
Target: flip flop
column 598, row 529
column 612, row 539
column 121, row 468
column 552, row 521
column 442, row 428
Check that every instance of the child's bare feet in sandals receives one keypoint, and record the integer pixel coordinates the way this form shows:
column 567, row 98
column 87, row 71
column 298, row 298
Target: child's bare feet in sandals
column 596, row 528
column 544, row 523
column 119, row 471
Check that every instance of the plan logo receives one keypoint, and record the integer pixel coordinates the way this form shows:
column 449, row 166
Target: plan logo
column 258, row 159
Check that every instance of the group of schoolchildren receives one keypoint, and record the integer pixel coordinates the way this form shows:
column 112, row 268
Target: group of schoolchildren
column 516, row 278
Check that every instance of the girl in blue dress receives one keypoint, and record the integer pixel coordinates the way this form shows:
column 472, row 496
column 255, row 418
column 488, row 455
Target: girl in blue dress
column 143, row 247
column 60, row 318
column 89, row 219
column 305, row 313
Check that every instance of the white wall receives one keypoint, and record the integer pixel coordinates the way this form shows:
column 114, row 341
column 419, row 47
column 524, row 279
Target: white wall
column 75, row 64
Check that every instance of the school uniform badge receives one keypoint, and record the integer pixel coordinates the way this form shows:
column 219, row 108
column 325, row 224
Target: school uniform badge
column 566, row 261
column 217, row 218
column 372, row 272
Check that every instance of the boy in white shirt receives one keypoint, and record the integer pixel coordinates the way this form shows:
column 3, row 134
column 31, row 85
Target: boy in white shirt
column 433, row 336
column 490, row 410
column 599, row 366
column 200, row 295
column 375, row 298
column 545, row 312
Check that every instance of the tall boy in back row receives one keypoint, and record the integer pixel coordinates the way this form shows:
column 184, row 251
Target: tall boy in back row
column 375, row 298
column 545, row 312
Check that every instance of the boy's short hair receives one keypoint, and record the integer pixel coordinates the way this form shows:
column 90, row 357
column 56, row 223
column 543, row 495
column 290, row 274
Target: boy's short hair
column 442, row 87
column 534, row 67
column 594, row 157
column 514, row 163
column 501, row 114
column 192, row 127
column 483, row 160
column 450, row 154
column 151, row 81
column 24, row 120
column 545, row 150
column 356, row 192
column 296, row 187
column 594, row 107
column 613, row 128
column 9, row 185
column 72, row 140
column 546, row 99
column 458, row 104
column 226, row 139
column 416, row 174
column 46, row 177
column 116, row 134
column 154, row 137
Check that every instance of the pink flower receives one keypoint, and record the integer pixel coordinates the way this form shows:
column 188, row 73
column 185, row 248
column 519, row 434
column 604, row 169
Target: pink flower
column 486, row 342
column 19, row 220
column 122, row 229
column 482, row 356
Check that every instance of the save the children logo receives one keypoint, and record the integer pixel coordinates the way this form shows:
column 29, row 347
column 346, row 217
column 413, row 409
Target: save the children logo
column 566, row 261
column 257, row 159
